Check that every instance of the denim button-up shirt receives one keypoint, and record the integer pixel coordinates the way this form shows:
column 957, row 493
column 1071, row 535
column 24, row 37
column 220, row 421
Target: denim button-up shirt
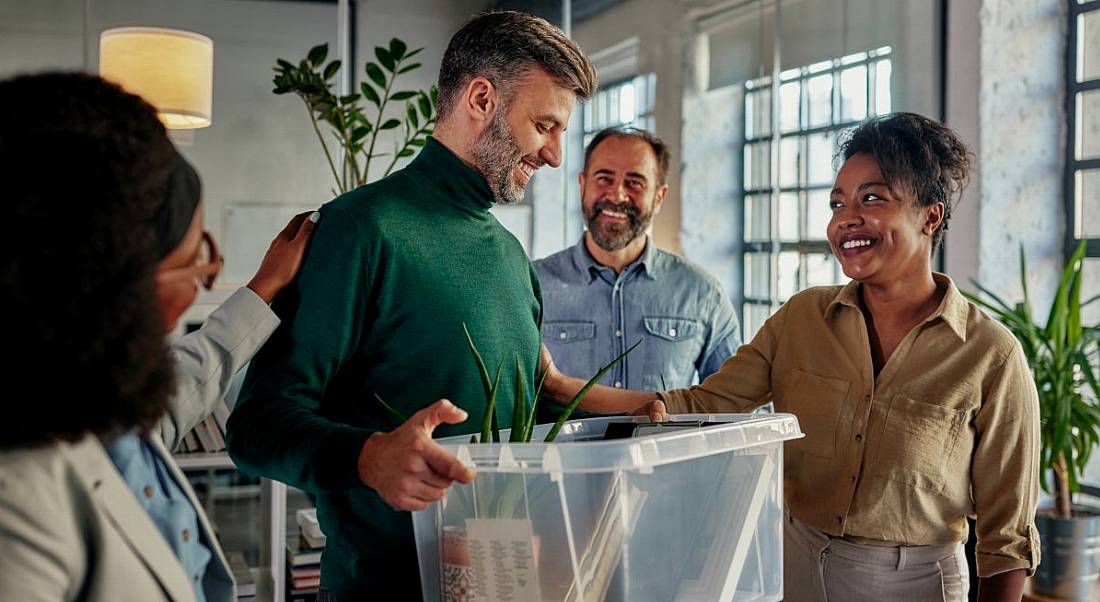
column 165, row 502
column 591, row 314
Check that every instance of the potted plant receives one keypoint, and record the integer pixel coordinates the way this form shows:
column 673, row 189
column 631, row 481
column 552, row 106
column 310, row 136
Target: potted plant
column 356, row 127
column 1063, row 355
column 523, row 421
column 500, row 497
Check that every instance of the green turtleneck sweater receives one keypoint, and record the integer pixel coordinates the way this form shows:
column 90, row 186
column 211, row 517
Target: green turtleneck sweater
column 393, row 271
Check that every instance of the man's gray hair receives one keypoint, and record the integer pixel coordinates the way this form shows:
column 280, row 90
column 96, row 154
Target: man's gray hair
column 502, row 46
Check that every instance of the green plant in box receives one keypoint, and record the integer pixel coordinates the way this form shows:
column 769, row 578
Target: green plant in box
column 523, row 423
column 504, row 502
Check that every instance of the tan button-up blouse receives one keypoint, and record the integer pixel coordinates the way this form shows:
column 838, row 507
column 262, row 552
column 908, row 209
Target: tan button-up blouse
column 949, row 429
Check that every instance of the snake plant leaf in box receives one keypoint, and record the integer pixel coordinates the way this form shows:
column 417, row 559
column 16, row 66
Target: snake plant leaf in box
column 576, row 401
column 521, row 433
column 523, row 420
column 488, row 422
column 398, row 416
column 519, row 408
column 481, row 370
column 489, row 425
column 530, row 426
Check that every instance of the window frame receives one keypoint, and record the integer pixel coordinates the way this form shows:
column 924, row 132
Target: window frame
column 805, row 247
column 643, row 115
column 1074, row 165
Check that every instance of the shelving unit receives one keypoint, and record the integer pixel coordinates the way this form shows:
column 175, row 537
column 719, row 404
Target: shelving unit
column 273, row 495
column 270, row 575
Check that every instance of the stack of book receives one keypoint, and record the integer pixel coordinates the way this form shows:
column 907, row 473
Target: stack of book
column 303, row 558
column 310, row 529
column 208, row 435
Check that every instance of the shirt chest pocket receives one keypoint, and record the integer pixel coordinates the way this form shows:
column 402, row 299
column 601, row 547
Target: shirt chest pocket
column 918, row 443
column 572, row 344
column 817, row 401
column 671, row 348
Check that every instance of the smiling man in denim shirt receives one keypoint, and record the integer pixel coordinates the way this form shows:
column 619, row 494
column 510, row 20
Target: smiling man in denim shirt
column 615, row 286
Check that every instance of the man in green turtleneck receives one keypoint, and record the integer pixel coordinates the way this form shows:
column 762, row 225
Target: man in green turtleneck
column 394, row 270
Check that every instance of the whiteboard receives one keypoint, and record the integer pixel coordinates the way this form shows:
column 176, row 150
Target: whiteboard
column 249, row 230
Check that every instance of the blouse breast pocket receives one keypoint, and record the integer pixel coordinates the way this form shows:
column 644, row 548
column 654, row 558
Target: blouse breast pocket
column 817, row 401
column 918, row 442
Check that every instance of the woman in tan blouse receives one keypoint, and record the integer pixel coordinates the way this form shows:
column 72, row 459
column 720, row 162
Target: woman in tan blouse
column 918, row 409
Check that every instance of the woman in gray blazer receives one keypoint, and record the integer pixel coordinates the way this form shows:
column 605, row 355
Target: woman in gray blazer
column 104, row 252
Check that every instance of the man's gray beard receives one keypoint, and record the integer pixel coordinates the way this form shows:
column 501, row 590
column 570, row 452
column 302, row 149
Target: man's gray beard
column 637, row 226
column 497, row 154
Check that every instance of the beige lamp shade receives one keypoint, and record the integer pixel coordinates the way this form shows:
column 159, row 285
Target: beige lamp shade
column 173, row 70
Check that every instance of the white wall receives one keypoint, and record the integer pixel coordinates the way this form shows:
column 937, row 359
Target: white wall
column 711, row 233
column 1005, row 96
column 1005, row 93
column 1022, row 132
column 34, row 36
column 962, row 243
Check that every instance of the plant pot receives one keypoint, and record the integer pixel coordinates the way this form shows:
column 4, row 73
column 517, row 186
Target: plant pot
column 1070, row 567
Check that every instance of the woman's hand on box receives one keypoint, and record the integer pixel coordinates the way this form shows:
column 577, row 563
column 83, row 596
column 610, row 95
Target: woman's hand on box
column 654, row 409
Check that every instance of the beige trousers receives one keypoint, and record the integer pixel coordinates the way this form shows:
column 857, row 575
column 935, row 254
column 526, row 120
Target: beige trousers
column 820, row 568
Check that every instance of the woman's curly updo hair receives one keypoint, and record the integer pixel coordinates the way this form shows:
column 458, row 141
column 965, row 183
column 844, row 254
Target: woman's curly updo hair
column 85, row 167
column 917, row 156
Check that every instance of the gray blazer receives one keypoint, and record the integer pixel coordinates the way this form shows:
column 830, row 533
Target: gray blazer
column 71, row 529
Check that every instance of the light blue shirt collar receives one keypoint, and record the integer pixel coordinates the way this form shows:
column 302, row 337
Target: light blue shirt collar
column 646, row 263
column 164, row 500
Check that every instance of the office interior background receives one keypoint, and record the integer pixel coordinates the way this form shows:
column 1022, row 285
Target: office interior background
column 752, row 158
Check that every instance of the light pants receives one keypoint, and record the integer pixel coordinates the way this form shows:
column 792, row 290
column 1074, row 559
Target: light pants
column 820, row 568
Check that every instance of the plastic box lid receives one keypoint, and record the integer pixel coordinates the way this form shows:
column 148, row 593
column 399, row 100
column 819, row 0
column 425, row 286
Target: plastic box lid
column 579, row 447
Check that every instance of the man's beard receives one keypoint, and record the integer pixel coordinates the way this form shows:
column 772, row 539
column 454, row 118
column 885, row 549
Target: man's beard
column 615, row 237
column 497, row 154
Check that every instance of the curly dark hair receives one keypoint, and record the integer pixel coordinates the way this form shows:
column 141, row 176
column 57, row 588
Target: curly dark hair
column 85, row 167
column 916, row 155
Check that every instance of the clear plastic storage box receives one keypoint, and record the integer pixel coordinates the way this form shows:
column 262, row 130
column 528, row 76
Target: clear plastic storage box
column 680, row 514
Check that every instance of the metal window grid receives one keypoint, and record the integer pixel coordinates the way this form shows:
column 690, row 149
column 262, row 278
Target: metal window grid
column 1078, row 87
column 797, row 136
